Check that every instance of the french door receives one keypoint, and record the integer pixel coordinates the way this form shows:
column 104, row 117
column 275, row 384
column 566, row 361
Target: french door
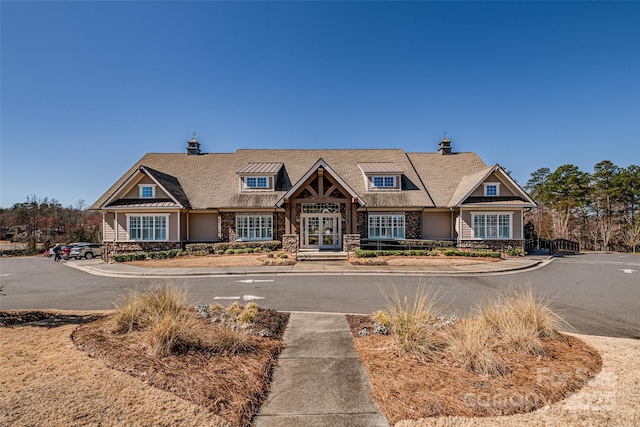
column 321, row 231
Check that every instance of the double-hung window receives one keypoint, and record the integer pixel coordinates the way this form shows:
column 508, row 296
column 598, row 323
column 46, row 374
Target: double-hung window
column 491, row 226
column 147, row 227
column 386, row 226
column 254, row 227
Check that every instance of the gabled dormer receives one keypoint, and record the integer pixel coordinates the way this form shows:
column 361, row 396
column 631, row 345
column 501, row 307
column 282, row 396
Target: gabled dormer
column 258, row 176
column 382, row 176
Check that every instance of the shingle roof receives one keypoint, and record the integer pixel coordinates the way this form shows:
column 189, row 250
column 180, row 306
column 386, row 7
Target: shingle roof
column 211, row 180
column 144, row 203
column 441, row 173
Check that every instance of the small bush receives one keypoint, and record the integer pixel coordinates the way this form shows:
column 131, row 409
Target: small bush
column 235, row 308
column 511, row 251
column 228, row 342
column 171, row 331
column 381, row 317
column 220, row 252
column 269, row 255
column 229, row 251
column 283, row 255
column 238, row 251
column 249, row 314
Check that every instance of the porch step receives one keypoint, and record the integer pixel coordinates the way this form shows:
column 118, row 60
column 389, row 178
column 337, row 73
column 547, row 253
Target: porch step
column 322, row 256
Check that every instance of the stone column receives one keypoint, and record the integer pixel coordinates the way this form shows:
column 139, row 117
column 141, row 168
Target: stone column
column 290, row 243
column 350, row 242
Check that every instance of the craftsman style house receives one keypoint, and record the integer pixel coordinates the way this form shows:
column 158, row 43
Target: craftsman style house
column 315, row 199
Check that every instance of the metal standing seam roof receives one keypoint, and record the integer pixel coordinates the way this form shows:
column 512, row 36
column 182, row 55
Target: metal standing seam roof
column 255, row 168
column 368, row 168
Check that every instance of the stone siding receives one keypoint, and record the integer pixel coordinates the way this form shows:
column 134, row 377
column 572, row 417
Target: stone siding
column 350, row 242
column 290, row 243
column 412, row 225
column 228, row 226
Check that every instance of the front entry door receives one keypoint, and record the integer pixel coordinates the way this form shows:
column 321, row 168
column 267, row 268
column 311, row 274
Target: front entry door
column 321, row 231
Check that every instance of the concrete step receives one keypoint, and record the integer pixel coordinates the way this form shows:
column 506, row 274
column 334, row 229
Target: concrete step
column 322, row 256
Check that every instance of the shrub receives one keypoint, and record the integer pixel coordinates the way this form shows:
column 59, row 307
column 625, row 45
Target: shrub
column 171, row 331
column 229, row 342
column 220, row 252
column 381, row 317
column 238, row 251
column 229, row 251
column 235, row 308
column 412, row 320
column 269, row 255
column 224, row 246
column 249, row 314
column 513, row 251
column 283, row 255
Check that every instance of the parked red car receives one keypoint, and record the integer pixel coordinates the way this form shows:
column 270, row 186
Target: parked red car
column 64, row 250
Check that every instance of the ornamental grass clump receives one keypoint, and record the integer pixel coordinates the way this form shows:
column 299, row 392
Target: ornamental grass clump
column 471, row 341
column 521, row 320
column 412, row 321
column 138, row 309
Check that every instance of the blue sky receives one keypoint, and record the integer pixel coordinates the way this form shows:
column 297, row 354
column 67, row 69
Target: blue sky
column 87, row 88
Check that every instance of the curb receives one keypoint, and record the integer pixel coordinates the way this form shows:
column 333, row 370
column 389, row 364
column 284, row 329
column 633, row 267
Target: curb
column 120, row 274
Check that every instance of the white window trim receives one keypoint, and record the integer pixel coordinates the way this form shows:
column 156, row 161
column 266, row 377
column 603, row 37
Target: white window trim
column 372, row 187
column 473, row 231
column 387, row 214
column 270, row 183
column 497, row 184
column 140, row 215
column 247, row 239
column 153, row 190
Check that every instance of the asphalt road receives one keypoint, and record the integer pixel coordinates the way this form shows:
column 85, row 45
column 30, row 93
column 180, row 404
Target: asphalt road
column 597, row 294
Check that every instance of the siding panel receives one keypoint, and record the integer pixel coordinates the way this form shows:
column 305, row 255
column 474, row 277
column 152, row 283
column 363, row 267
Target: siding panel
column 203, row 227
column 436, row 225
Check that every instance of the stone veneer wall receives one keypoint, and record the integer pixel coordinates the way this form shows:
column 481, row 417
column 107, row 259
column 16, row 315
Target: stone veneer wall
column 117, row 248
column 227, row 226
column 491, row 245
column 279, row 231
column 290, row 243
column 412, row 225
column 350, row 242
column 363, row 229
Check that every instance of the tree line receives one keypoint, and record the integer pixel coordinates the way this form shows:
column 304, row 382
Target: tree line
column 599, row 209
column 47, row 222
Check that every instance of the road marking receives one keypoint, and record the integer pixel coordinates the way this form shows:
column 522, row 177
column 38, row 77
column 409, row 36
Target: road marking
column 627, row 270
column 254, row 280
column 244, row 297
column 5, row 274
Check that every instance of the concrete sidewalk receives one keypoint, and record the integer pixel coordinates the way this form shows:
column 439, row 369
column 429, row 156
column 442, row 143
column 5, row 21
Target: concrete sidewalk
column 319, row 380
column 99, row 268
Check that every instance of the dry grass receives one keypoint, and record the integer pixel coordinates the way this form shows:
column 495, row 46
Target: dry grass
column 471, row 341
column 205, row 360
column 139, row 309
column 502, row 354
column 412, row 320
column 521, row 320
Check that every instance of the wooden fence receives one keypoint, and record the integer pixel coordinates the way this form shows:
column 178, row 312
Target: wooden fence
column 553, row 246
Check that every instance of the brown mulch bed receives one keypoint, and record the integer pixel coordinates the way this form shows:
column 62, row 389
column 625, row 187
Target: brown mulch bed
column 231, row 386
column 406, row 388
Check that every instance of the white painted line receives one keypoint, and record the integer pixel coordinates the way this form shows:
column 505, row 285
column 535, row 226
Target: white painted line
column 251, row 297
column 5, row 274
column 253, row 281
column 627, row 270
column 226, row 297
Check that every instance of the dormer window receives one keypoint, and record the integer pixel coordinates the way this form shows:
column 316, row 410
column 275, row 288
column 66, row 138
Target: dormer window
column 384, row 181
column 147, row 191
column 256, row 181
column 491, row 189
column 381, row 176
column 259, row 176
